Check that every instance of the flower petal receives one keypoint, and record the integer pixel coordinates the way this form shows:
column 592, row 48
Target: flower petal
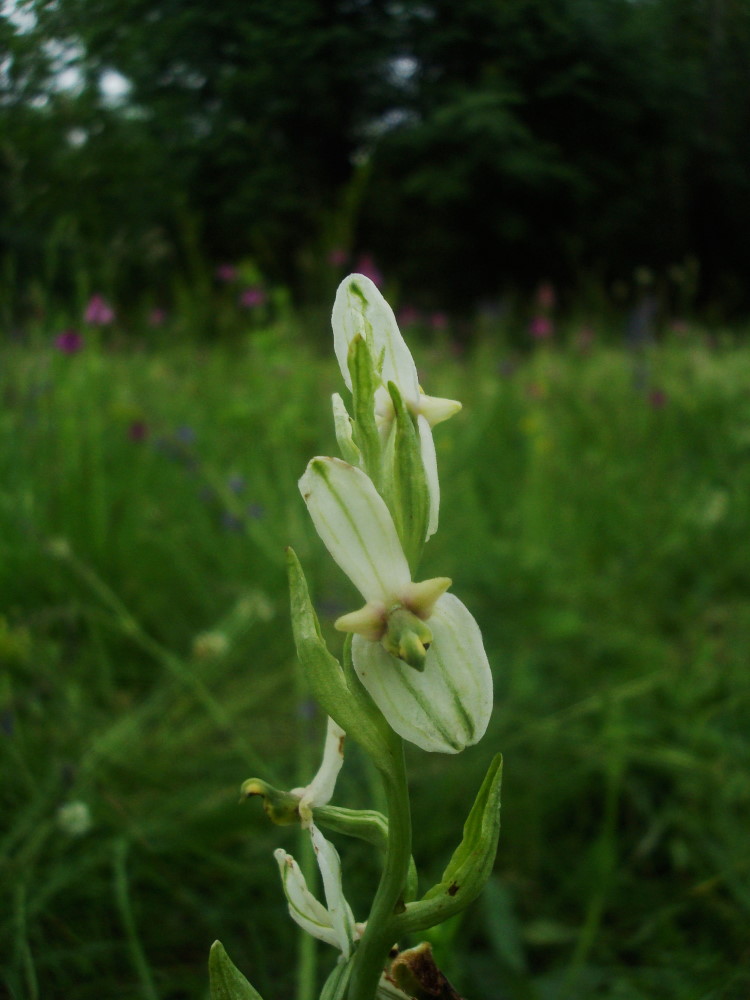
column 339, row 910
column 436, row 409
column 356, row 527
column 447, row 706
column 360, row 309
column 304, row 908
column 320, row 790
column 429, row 460
column 343, row 425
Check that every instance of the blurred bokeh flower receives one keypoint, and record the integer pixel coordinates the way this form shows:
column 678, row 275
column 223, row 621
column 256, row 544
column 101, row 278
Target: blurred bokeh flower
column 226, row 273
column 157, row 317
column 252, row 297
column 367, row 266
column 541, row 327
column 74, row 818
column 69, row 341
column 98, row 311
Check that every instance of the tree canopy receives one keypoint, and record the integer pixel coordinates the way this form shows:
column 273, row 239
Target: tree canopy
column 469, row 147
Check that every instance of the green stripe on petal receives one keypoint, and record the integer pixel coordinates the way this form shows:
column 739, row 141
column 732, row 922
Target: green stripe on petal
column 447, row 706
column 339, row 911
column 304, row 908
column 356, row 527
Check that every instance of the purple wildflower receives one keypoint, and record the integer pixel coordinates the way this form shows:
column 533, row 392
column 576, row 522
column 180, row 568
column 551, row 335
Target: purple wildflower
column 69, row 341
column 252, row 297
column 227, row 273
column 367, row 266
column 541, row 327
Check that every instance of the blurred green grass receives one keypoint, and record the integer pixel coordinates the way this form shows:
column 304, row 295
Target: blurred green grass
column 595, row 520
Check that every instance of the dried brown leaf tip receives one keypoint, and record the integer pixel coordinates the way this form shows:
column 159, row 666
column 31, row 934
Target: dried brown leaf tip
column 414, row 971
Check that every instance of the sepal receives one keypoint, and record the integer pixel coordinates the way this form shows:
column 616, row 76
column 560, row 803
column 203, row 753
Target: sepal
column 365, row 434
column 227, row 982
column 446, row 706
column 405, row 487
column 344, row 427
column 347, row 705
column 471, row 864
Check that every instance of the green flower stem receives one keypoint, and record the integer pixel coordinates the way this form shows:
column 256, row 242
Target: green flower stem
column 378, row 939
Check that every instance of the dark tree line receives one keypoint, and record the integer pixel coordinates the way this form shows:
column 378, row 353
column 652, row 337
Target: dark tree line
column 468, row 146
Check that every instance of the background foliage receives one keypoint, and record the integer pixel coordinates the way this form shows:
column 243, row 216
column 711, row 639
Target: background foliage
column 594, row 518
column 471, row 147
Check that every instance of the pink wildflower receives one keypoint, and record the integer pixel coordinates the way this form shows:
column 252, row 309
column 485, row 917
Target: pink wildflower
column 69, row 341
column 541, row 327
column 367, row 266
column 439, row 321
column 98, row 311
column 252, row 297
column 226, row 273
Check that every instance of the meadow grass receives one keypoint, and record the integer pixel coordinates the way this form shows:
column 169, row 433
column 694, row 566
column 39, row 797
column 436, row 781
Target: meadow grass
column 595, row 520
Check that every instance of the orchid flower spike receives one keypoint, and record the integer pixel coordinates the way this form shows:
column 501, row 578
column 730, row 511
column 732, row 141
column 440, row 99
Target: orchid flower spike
column 320, row 790
column 360, row 310
column 416, row 649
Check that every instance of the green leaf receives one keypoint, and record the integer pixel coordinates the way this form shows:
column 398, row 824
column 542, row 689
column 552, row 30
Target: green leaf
column 365, row 431
column 347, row 705
column 227, row 982
column 471, row 864
column 404, row 481
column 367, row 825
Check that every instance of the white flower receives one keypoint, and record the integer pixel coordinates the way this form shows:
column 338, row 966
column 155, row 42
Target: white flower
column 332, row 923
column 360, row 310
column 320, row 790
column 445, row 703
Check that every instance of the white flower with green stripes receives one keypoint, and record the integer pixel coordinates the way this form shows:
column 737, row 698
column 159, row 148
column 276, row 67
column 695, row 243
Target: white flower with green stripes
column 416, row 649
column 360, row 310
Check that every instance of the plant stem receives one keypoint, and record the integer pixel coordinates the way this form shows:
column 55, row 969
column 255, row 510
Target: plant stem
column 369, row 958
